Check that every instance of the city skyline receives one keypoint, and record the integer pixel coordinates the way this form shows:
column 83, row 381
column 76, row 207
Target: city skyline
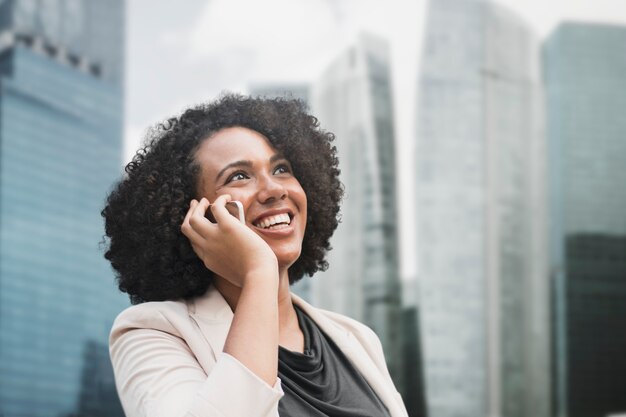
column 511, row 178
column 197, row 70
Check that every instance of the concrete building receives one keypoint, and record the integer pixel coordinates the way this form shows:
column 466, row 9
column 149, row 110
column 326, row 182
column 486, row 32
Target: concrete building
column 60, row 150
column 585, row 75
column 353, row 99
column 480, row 171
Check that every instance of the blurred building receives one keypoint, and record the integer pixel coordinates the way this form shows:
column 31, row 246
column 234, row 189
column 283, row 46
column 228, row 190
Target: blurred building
column 297, row 91
column 87, row 34
column 413, row 391
column 61, row 108
column 98, row 395
column 585, row 73
column 353, row 99
column 483, row 287
column 300, row 92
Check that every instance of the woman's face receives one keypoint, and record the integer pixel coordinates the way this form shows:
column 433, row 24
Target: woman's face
column 242, row 162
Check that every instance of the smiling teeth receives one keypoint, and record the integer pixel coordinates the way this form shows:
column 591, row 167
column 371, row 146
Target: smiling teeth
column 272, row 220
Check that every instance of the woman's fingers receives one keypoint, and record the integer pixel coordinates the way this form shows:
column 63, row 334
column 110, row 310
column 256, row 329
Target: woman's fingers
column 187, row 228
column 198, row 222
column 219, row 210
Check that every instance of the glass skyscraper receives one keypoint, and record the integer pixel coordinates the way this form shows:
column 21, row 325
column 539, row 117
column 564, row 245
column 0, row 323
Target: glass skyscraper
column 480, row 174
column 88, row 34
column 353, row 99
column 585, row 75
column 60, row 150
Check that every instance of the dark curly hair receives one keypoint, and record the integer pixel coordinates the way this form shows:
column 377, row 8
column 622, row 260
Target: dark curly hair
column 153, row 260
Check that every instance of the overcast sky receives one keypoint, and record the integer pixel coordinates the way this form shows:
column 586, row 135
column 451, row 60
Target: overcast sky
column 188, row 51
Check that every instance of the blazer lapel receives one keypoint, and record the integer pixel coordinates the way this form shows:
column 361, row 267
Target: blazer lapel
column 214, row 317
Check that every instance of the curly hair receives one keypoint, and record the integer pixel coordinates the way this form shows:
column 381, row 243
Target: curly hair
column 153, row 260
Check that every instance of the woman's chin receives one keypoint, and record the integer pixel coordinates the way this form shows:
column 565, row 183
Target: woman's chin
column 287, row 259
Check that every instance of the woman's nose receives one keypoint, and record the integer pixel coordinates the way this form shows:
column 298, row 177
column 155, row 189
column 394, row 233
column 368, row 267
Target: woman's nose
column 271, row 189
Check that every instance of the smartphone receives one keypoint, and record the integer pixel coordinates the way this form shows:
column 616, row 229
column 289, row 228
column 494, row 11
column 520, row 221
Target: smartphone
column 235, row 208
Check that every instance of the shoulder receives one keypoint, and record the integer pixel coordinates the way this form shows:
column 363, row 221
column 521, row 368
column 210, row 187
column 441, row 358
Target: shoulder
column 165, row 316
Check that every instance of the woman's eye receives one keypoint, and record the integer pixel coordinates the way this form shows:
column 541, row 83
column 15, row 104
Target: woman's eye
column 237, row 176
column 282, row 169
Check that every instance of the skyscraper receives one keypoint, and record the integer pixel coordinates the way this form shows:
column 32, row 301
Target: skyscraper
column 585, row 73
column 87, row 34
column 483, row 285
column 353, row 99
column 297, row 91
column 60, row 150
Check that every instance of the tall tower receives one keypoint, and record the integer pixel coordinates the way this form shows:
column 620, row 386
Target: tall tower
column 480, row 215
column 585, row 73
column 60, row 150
column 353, row 99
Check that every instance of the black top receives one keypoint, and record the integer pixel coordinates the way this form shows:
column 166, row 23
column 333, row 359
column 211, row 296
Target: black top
column 322, row 381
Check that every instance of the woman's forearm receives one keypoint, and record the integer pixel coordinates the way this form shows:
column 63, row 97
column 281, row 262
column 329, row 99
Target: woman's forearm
column 253, row 335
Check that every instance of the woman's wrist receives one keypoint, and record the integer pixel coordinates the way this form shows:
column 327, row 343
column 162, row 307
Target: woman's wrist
column 263, row 276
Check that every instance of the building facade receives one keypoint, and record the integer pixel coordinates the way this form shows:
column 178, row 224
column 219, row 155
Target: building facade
column 87, row 34
column 353, row 99
column 481, row 218
column 585, row 75
column 60, row 151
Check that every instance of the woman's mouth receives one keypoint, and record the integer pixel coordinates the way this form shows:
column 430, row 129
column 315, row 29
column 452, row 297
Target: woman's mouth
column 275, row 222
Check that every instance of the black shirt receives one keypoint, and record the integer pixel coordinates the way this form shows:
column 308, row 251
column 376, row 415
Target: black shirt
column 322, row 381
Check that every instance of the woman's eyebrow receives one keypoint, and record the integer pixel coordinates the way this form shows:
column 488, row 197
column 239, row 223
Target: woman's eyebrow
column 277, row 157
column 236, row 164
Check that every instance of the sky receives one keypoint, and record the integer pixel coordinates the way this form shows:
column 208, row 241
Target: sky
column 186, row 52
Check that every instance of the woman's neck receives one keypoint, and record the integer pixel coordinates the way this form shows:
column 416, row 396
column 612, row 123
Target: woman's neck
column 287, row 318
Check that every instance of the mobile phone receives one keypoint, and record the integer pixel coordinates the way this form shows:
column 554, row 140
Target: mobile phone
column 235, row 208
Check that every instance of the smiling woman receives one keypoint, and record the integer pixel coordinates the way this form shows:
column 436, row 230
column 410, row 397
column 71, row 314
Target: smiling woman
column 243, row 164
column 215, row 330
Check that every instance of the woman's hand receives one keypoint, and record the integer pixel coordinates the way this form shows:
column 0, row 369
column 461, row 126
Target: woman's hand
column 228, row 248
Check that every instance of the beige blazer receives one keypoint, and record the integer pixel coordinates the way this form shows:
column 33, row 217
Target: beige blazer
column 168, row 361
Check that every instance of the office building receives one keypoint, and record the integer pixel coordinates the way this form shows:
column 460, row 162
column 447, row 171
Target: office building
column 413, row 391
column 480, row 193
column 353, row 99
column 60, row 151
column 585, row 76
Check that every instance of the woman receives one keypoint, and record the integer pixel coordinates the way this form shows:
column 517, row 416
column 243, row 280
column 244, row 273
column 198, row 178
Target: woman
column 214, row 330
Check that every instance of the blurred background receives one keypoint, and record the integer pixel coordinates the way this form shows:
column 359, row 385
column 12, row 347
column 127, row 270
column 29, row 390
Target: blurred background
column 482, row 147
